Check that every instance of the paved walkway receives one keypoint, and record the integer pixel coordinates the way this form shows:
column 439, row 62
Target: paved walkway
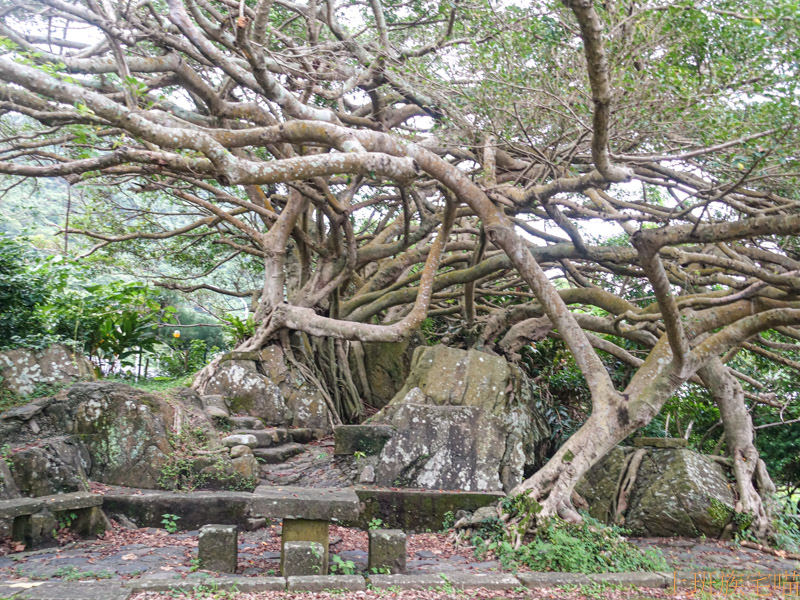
column 152, row 554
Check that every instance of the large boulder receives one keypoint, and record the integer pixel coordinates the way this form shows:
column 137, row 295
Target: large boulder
column 303, row 399
column 463, row 420
column 676, row 492
column 246, row 391
column 125, row 431
column 23, row 371
column 52, row 466
column 266, row 386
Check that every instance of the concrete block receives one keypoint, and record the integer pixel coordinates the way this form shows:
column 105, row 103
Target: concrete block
column 352, row 583
column 218, row 548
column 405, row 582
column 240, row 583
column 303, row 559
column 76, row 590
column 387, row 550
column 548, row 580
column 488, row 581
column 459, row 581
column 647, row 580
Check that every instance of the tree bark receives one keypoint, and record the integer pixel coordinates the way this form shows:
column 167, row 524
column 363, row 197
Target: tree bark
column 729, row 396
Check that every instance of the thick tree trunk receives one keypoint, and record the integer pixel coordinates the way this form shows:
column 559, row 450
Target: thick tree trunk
column 729, row 396
column 553, row 485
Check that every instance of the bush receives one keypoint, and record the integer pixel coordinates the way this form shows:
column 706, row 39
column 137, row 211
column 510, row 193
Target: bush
column 587, row 547
column 27, row 282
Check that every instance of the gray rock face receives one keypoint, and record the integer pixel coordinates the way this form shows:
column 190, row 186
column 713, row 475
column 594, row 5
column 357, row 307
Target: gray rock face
column 23, row 370
column 463, row 420
column 442, row 447
column 303, row 399
column 55, row 466
column 124, row 431
column 109, row 431
column 8, row 487
column 248, row 392
column 677, row 492
column 264, row 386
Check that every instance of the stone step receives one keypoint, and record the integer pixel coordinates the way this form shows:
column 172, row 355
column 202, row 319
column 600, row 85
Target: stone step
column 278, row 454
column 246, row 422
column 272, row 436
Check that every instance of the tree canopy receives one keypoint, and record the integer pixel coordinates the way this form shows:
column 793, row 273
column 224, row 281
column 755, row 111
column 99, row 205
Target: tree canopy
column 621, row 176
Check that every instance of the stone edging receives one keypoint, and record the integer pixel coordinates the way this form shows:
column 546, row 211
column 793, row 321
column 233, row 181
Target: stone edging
column 116, row 590
column 459, row 581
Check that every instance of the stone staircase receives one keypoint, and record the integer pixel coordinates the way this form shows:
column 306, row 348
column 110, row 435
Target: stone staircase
column 274, row 445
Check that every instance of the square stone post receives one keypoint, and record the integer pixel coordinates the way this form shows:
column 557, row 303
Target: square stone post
column 218, row 548
column 387, row 550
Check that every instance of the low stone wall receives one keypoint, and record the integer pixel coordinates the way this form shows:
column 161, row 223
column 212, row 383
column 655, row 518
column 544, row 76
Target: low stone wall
column 193, row 509
column 416, row 511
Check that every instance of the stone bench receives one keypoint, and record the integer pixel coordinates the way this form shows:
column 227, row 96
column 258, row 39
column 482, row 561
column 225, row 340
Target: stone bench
column 306, row 512
column 35, row 519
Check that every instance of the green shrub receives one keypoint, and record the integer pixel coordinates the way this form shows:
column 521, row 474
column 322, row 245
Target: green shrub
column 587, row 547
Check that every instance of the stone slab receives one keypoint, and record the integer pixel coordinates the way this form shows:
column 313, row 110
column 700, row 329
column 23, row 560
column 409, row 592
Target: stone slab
column 278, row 454
column 650, row 442
column 240, row 439
column 323, row 504
column 241, row 584
column 352, row 583
column 488, row 581
column 459, row 581
column 17, row 507
column 245, row 422
column 417, row 510
column 369, row 439
column 648, row 580
column 406, row 582
column 548, row 580
column 263, row 437
column 76, row 590
column 195, row 509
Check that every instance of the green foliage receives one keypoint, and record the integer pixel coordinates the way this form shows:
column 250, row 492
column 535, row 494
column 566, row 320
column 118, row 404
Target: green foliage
column 73, row 573
column 342, row 567
column 449, row 520
column 786, row 524
column 186, row 469
column 237, row 330
column 170, row 522
column 66, row 519
column 111, row 322
column 28, row 281
column 376, row 524
column 180, row 360
column 587, row 547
